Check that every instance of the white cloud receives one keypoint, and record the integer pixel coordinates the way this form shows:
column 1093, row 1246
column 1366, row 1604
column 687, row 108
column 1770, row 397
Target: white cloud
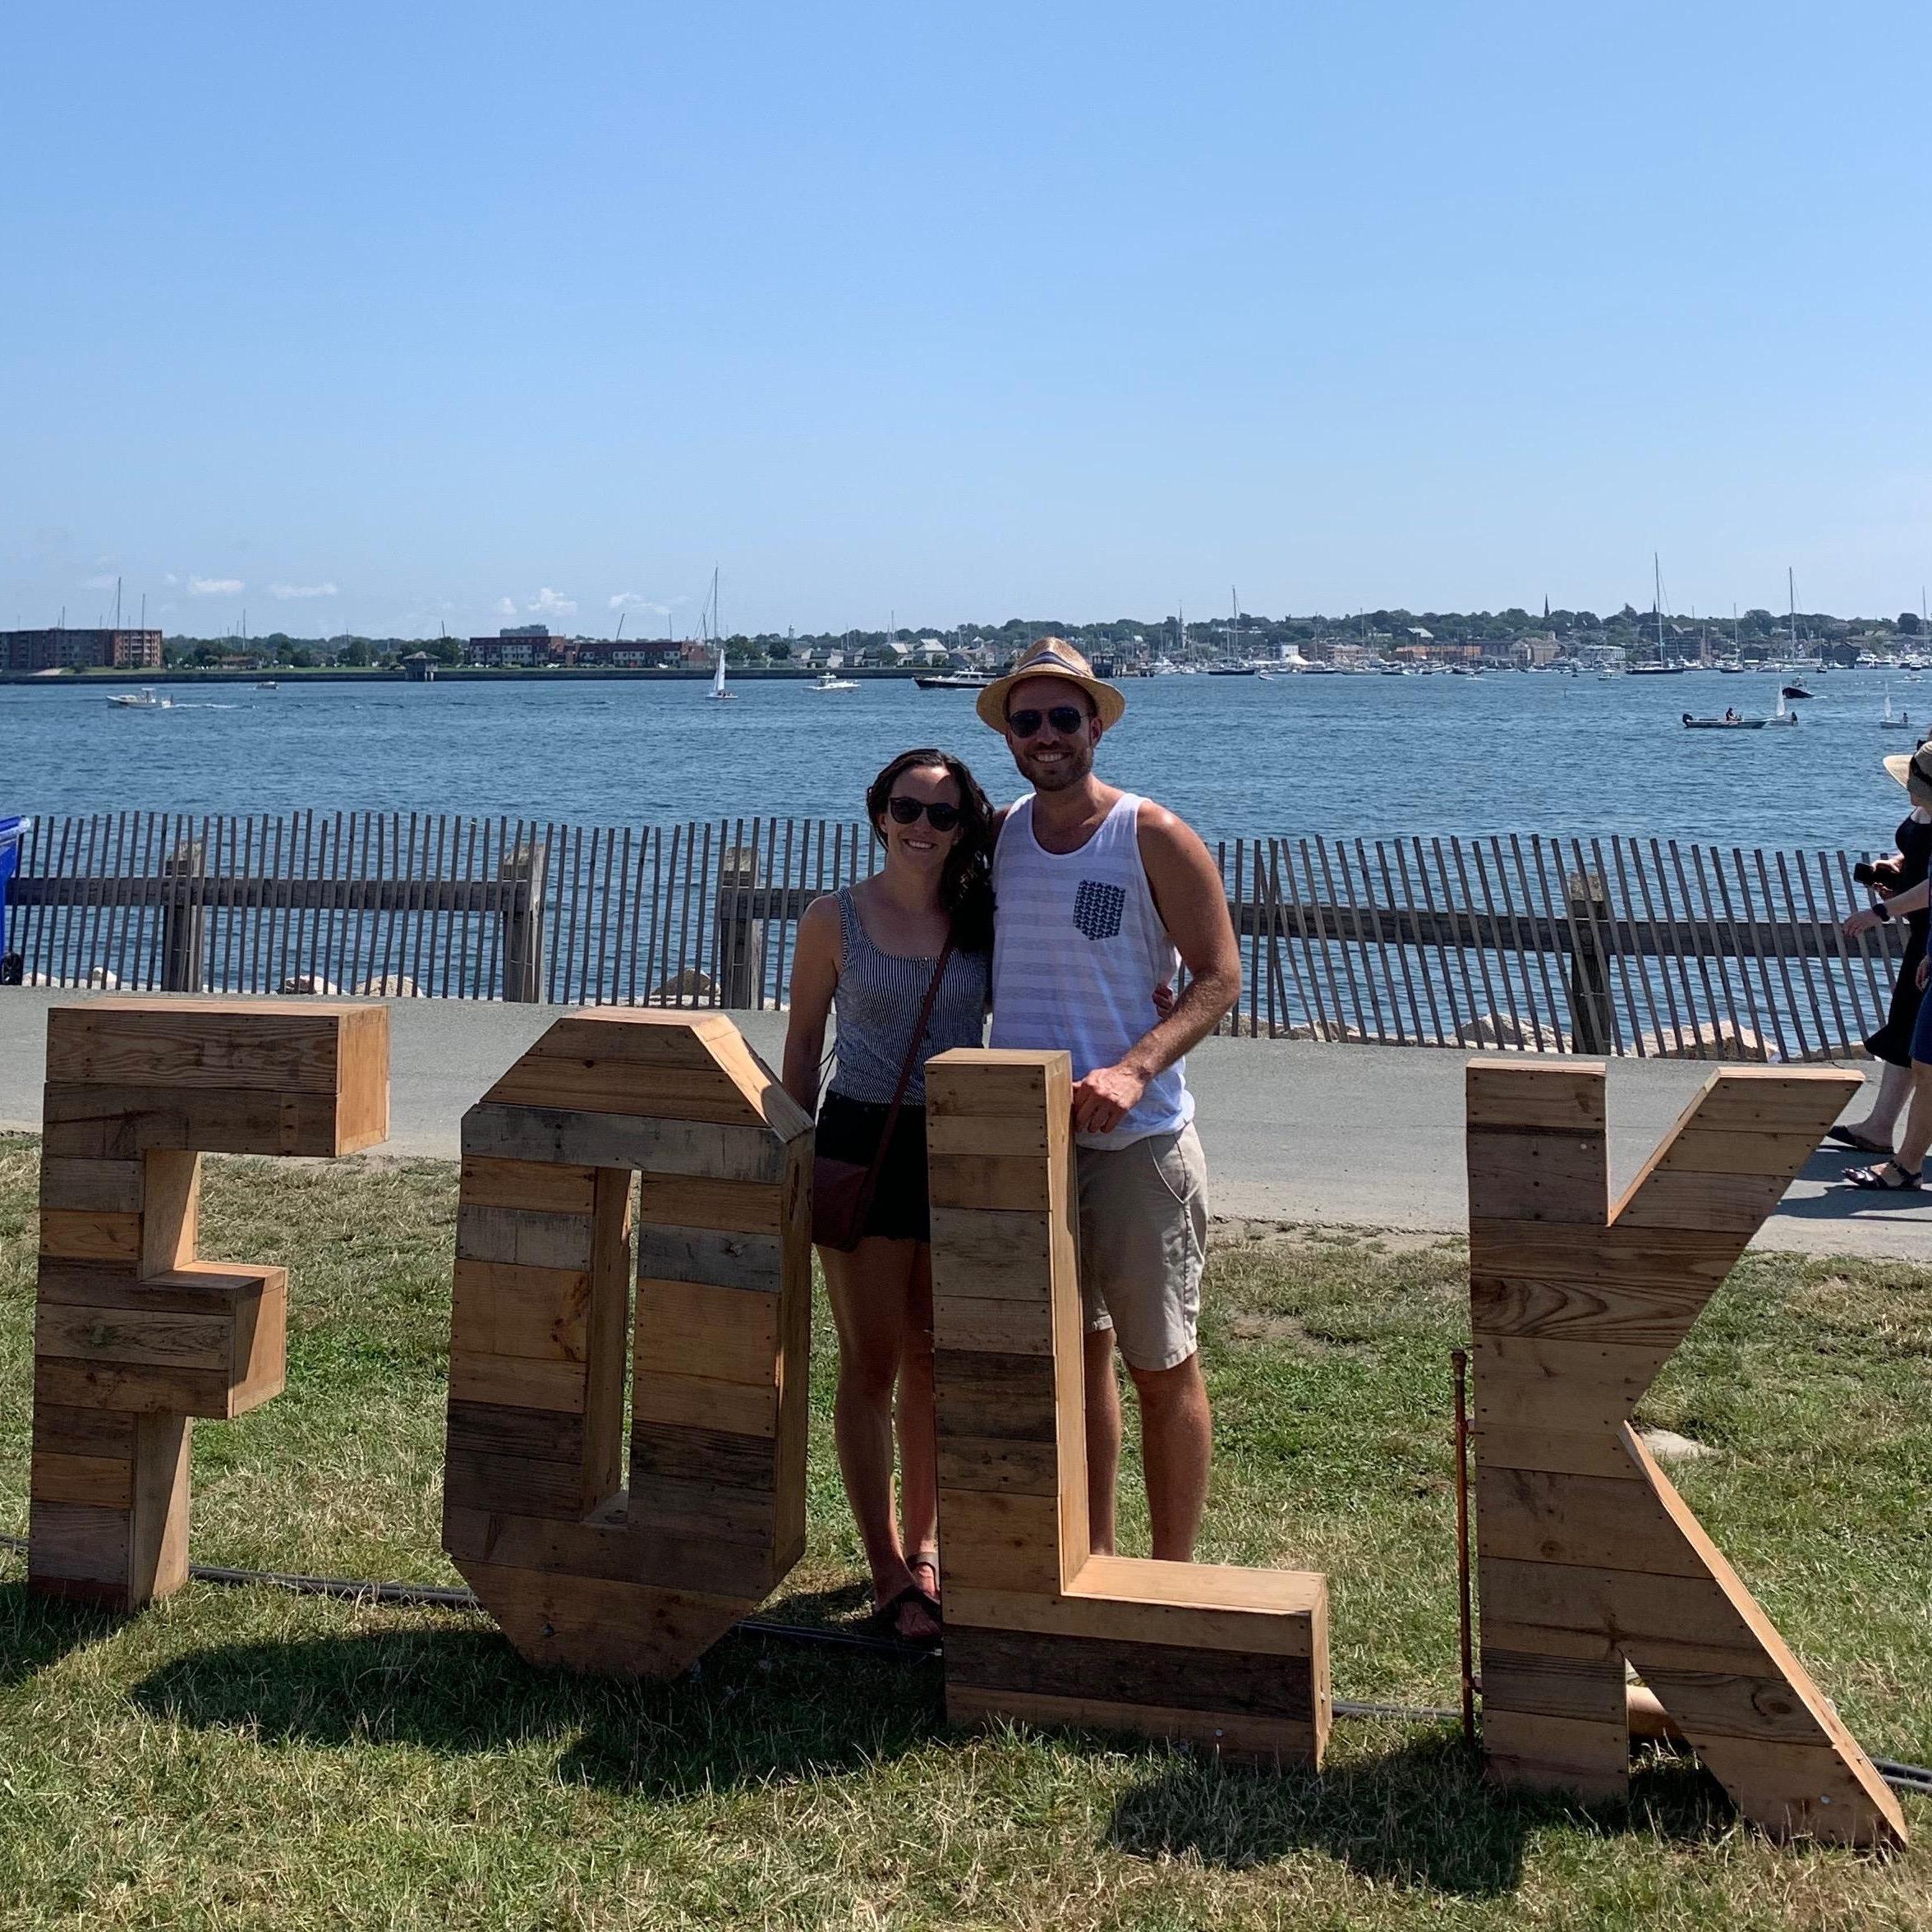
column 506, row 607
column 215, row 586
column 549, row 603
column 105, row 582
column 287, row 590
column 630, row 600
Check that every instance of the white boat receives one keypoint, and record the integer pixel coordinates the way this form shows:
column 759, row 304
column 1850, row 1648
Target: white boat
column 143, row 700
column 717, row 690
column 827, row 681
column 954, row 681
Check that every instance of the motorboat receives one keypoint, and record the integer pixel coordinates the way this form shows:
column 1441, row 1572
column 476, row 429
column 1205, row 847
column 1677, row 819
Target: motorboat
column 1794, row 691
column 831, row 681
column 954, row 681
column 1735, row 721
column 143, row 700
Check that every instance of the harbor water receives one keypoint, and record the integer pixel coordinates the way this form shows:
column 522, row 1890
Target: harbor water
column 1355, row 756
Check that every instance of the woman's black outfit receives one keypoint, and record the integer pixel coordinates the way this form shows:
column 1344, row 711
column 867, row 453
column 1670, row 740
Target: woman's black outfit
column 1892, row 1042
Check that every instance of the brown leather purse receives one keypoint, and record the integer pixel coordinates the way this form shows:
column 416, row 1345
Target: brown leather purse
column 842, row 1191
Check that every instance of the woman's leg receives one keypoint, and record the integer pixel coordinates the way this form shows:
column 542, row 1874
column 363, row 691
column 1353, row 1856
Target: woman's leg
column 918, row 1450
column 1917, row 1137
column 870, row 1296
column 1894, row 1089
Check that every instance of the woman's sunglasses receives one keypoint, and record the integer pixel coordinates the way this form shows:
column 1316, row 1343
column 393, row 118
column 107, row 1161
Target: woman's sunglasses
column 1066, row 720
column 907, row 812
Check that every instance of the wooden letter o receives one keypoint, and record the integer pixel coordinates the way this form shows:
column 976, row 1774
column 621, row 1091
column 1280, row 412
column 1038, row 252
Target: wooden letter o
column 577, row 1569
column 133, row 1337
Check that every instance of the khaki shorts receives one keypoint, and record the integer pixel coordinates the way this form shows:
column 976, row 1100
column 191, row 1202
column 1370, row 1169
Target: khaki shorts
column 1144, row 1237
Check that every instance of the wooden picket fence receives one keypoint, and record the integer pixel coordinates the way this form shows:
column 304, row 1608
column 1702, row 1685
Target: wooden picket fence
column 1605, row 945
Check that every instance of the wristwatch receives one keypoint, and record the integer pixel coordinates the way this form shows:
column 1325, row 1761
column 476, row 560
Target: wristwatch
column 1883, row 910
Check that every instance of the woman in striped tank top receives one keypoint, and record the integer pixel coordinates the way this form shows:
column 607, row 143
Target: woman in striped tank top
column 868, row 953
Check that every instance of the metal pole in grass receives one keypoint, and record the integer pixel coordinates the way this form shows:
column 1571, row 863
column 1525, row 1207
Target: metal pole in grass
column 1459, row 1359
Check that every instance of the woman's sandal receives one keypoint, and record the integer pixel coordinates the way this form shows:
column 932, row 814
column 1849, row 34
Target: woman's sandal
column 887, row 1615
column 1846, row 1137
column 1872, row 1179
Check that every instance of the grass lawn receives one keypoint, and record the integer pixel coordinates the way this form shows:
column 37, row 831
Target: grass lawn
column 243, row 1757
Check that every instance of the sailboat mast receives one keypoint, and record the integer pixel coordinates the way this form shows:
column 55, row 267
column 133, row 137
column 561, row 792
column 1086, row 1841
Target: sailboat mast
column 1791, row 592
column 1657, row 600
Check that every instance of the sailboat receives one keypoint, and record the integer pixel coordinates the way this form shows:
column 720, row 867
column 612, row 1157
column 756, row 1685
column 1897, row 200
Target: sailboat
column 717, row 691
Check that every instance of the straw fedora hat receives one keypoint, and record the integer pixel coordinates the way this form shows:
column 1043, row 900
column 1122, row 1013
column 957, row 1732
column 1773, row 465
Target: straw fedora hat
column 1051, row 657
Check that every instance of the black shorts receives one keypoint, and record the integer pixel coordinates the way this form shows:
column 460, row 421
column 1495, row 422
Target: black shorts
column 849, row 1130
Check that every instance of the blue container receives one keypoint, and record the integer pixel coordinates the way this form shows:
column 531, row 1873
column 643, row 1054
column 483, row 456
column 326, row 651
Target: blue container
column 11, row 831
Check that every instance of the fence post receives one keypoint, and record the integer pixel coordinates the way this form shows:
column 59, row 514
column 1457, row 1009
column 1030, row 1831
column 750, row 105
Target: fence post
column 738, row 938
column 522, row 924
column 184, row 922
column 1593, row 1026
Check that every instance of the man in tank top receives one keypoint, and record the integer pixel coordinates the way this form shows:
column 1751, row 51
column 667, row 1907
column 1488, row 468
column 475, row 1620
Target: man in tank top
column 1101, row 894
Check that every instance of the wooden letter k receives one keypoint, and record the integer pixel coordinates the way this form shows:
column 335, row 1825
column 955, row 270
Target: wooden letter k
column 1587, row 1555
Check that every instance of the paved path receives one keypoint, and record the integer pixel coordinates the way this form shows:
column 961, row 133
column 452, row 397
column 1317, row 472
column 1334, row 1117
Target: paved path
column 1349, row 1136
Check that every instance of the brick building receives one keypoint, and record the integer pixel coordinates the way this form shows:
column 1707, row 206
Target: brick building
column 525, row 644
column 62, row 649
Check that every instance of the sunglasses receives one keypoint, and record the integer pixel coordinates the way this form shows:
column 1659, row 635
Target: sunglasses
column 907, row 811
column 1066, row 720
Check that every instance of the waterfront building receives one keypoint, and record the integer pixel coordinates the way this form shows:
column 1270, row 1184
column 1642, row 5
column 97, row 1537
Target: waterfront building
column 625, row 654
column 62, row 649
column 523, row 645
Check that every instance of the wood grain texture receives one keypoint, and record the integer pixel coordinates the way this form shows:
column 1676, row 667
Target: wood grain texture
column 1587, row 1556
column 581, row 1572
column 1038, row 1628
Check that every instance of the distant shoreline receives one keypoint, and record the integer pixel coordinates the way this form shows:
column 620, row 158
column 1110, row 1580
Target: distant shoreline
column 460, row 673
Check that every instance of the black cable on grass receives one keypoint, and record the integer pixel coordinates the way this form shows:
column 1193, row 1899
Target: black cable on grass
column 428, row 1596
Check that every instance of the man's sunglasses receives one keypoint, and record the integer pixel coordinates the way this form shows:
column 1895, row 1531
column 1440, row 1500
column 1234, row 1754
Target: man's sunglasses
column 907, row 811
column 1066, row 720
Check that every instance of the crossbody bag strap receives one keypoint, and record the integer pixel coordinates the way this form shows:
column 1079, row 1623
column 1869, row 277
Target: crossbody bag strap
column 911, row 1061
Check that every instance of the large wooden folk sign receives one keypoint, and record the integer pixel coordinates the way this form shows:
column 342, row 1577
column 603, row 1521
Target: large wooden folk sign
column 1587, row 1555
column 656, row 1148
column 134, row 1337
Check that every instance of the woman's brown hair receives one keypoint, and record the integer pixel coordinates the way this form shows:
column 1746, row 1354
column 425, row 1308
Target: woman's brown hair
column 966, row 885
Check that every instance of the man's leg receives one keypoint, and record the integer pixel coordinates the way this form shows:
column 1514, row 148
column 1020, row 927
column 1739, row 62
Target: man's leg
column 1176, row 1447
column 1143, row 1236
column 1103, row 1440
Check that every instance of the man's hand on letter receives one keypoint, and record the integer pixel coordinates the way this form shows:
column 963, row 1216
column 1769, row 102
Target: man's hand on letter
column 1106, row 1098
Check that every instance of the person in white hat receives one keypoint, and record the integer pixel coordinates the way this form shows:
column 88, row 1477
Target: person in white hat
column 1101, row 895
column 1905, row 892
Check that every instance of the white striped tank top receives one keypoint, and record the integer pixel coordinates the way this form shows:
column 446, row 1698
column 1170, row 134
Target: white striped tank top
column 1078, row 950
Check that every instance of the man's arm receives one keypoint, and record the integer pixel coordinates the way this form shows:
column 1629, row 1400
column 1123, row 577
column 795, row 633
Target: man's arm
column 1193, row 904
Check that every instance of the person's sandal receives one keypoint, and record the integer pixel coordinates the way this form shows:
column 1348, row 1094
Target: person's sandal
column 1872, row 1179
column 887, row 1616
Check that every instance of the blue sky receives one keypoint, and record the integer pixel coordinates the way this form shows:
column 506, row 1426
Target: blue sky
column 440, row 313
